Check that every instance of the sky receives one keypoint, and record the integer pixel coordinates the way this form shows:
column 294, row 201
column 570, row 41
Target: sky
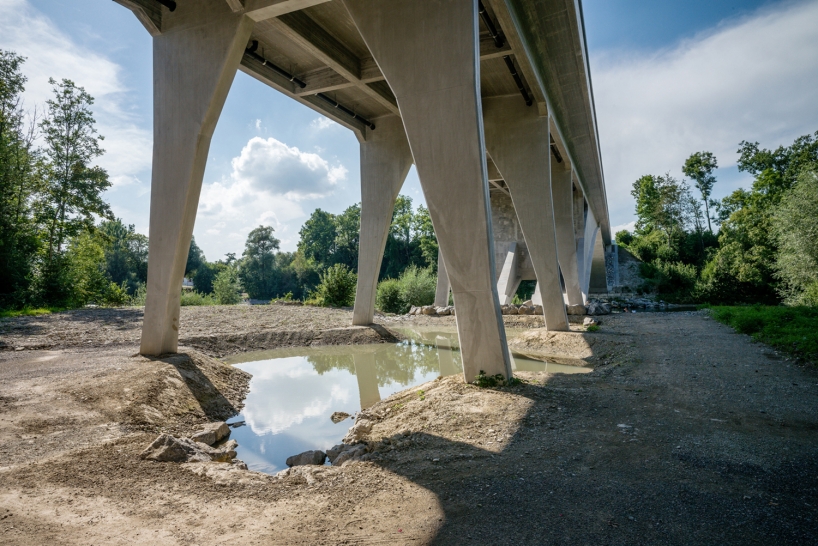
column 670, row 79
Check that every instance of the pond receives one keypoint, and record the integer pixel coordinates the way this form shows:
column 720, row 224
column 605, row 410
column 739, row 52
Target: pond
column 294, row 391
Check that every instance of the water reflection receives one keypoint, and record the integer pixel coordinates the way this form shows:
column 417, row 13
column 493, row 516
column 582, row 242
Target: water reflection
column 294, row 391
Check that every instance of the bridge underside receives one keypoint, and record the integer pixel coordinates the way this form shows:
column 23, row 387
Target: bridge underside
column 491, row 101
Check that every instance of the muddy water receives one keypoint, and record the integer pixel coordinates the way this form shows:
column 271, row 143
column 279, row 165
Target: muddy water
column 294, row 391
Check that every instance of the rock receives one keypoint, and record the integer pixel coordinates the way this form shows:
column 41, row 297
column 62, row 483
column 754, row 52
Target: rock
column 538, row 310
column 413, row 311
column 165, row 448
column 334, row 451
column 597, row 308
column 510, row 309
column 308, row 457
column 238, row 463
column 428, row 310
column 339, row 416
column 443, row 311
column 358, row 431
column 576, row 309
column 212, row 433
column 590, row 322
column 352, row 454
column 525, row 310
column 528, row 303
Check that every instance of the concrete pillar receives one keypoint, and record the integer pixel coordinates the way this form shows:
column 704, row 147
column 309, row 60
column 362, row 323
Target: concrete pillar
column 443, row 286
column 446, row 356
column 428, row 54
column 562, row 189
column 194, row 62
column 366, row 372
column 579, row 231
column 509, row 280
column 589, row 242
column 385, row 162
column 518, row 141
column 598, row 283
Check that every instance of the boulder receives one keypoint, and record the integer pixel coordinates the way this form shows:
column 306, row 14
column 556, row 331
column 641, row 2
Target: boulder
column 510, row 309
column 597, row 308
column 167, row 448
column 443, row 311
column 528, row 303
column 212, row 433
column 358, row 431
column 576, row 309
column 590, row 322
column 413, row 311
column 339, row 416
column 538, row 310
column 308, row 457
column 525, row 310
column 428, row 310
column 353, row 454
column 334, row 451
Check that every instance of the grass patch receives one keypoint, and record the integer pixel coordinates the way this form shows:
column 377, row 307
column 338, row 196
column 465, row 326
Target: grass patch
column 788, row 329
column 29, row 312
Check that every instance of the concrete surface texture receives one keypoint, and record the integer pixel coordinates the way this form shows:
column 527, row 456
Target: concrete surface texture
column 385, row 162
column 430, row 60
column 443, row 286
column 194, row 62
column 562, row 192
column 517, row 139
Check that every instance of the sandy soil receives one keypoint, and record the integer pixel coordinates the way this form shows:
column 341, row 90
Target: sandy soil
column 685, row 433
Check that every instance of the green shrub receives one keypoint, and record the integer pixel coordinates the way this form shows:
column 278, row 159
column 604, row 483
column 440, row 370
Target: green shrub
column 673, row 280
column 226, row 287
column 789, row 329
column 337, row 287
column 140, row 295
column 191, row 297
column 390, row 297
column 116, row 295
column 418, row 286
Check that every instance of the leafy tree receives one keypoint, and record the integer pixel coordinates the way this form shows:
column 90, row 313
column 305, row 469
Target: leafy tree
column 226, row 287
column 795, row 230
column 195, row 259
column 258, row 266
column 73, row 188
column 348, row 230
column 700, row 167
column 126, row 254
column 318, row 237
column 18, row 184
column 425, row 235
column 337, row 287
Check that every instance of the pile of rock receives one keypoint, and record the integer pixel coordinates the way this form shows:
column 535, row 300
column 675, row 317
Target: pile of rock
column 337, row 455
column 643, row 303
column 204, row 446
column 596, row 307
column 432, row 311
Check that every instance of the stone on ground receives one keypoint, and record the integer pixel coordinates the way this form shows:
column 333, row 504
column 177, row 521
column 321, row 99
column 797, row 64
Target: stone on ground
column 316, row 457
column 212, row 433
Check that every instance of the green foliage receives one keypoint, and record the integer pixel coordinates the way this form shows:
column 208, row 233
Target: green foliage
column 789, row 329
column 226, row 287
column 257, row 269
column 139, row 295
column 592, row 328
column 700, row 167
column 318, row 237
column 390, row 297
column 418, row 286
column 624, row 237
column 195, row 259
column 337, row 287
column 490, row 381
column 126, row 254
column 191, row 297
column 29, row 312
column 675, row 281
column 795, row 230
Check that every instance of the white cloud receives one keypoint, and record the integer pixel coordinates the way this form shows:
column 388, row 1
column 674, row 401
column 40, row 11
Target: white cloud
column 752, row 79
column 630, row 226
column 52, row 53
column 322, row 123
column 268, row 181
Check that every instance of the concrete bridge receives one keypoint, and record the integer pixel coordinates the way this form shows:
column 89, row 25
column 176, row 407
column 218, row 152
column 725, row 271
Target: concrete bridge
column 492, row 102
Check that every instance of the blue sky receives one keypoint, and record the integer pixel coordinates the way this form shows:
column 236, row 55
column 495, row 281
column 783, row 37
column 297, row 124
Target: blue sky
column 670, row 78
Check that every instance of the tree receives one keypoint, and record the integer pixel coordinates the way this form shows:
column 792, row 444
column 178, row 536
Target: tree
column 258, row 266
column 318, row 237
column 19, row 242
column 425, row 234
column 700, row 167
column 126, row 254
column 73, row 190
column 795, row 229
column 348, row 231
column 226, row 287
column 195, row 258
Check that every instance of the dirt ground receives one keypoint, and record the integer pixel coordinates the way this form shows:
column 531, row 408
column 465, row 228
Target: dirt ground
column 685, row 433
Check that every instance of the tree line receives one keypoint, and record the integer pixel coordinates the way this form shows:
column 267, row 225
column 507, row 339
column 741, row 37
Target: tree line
column 765, row 245
column 61, row 246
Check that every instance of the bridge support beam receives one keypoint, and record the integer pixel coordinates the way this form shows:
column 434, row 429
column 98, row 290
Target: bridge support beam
column 518, row 141
column 443, row 286
column 385, row 162
column 589, row 242
column 430, row 59
column 562, row 188
column 194, row 63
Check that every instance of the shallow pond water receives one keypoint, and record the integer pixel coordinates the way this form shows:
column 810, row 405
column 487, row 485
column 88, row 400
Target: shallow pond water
column 294, row 391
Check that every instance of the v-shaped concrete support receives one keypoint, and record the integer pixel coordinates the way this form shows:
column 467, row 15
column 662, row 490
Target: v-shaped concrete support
column 194, row 63
column 428, row 53
column 518, row 142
